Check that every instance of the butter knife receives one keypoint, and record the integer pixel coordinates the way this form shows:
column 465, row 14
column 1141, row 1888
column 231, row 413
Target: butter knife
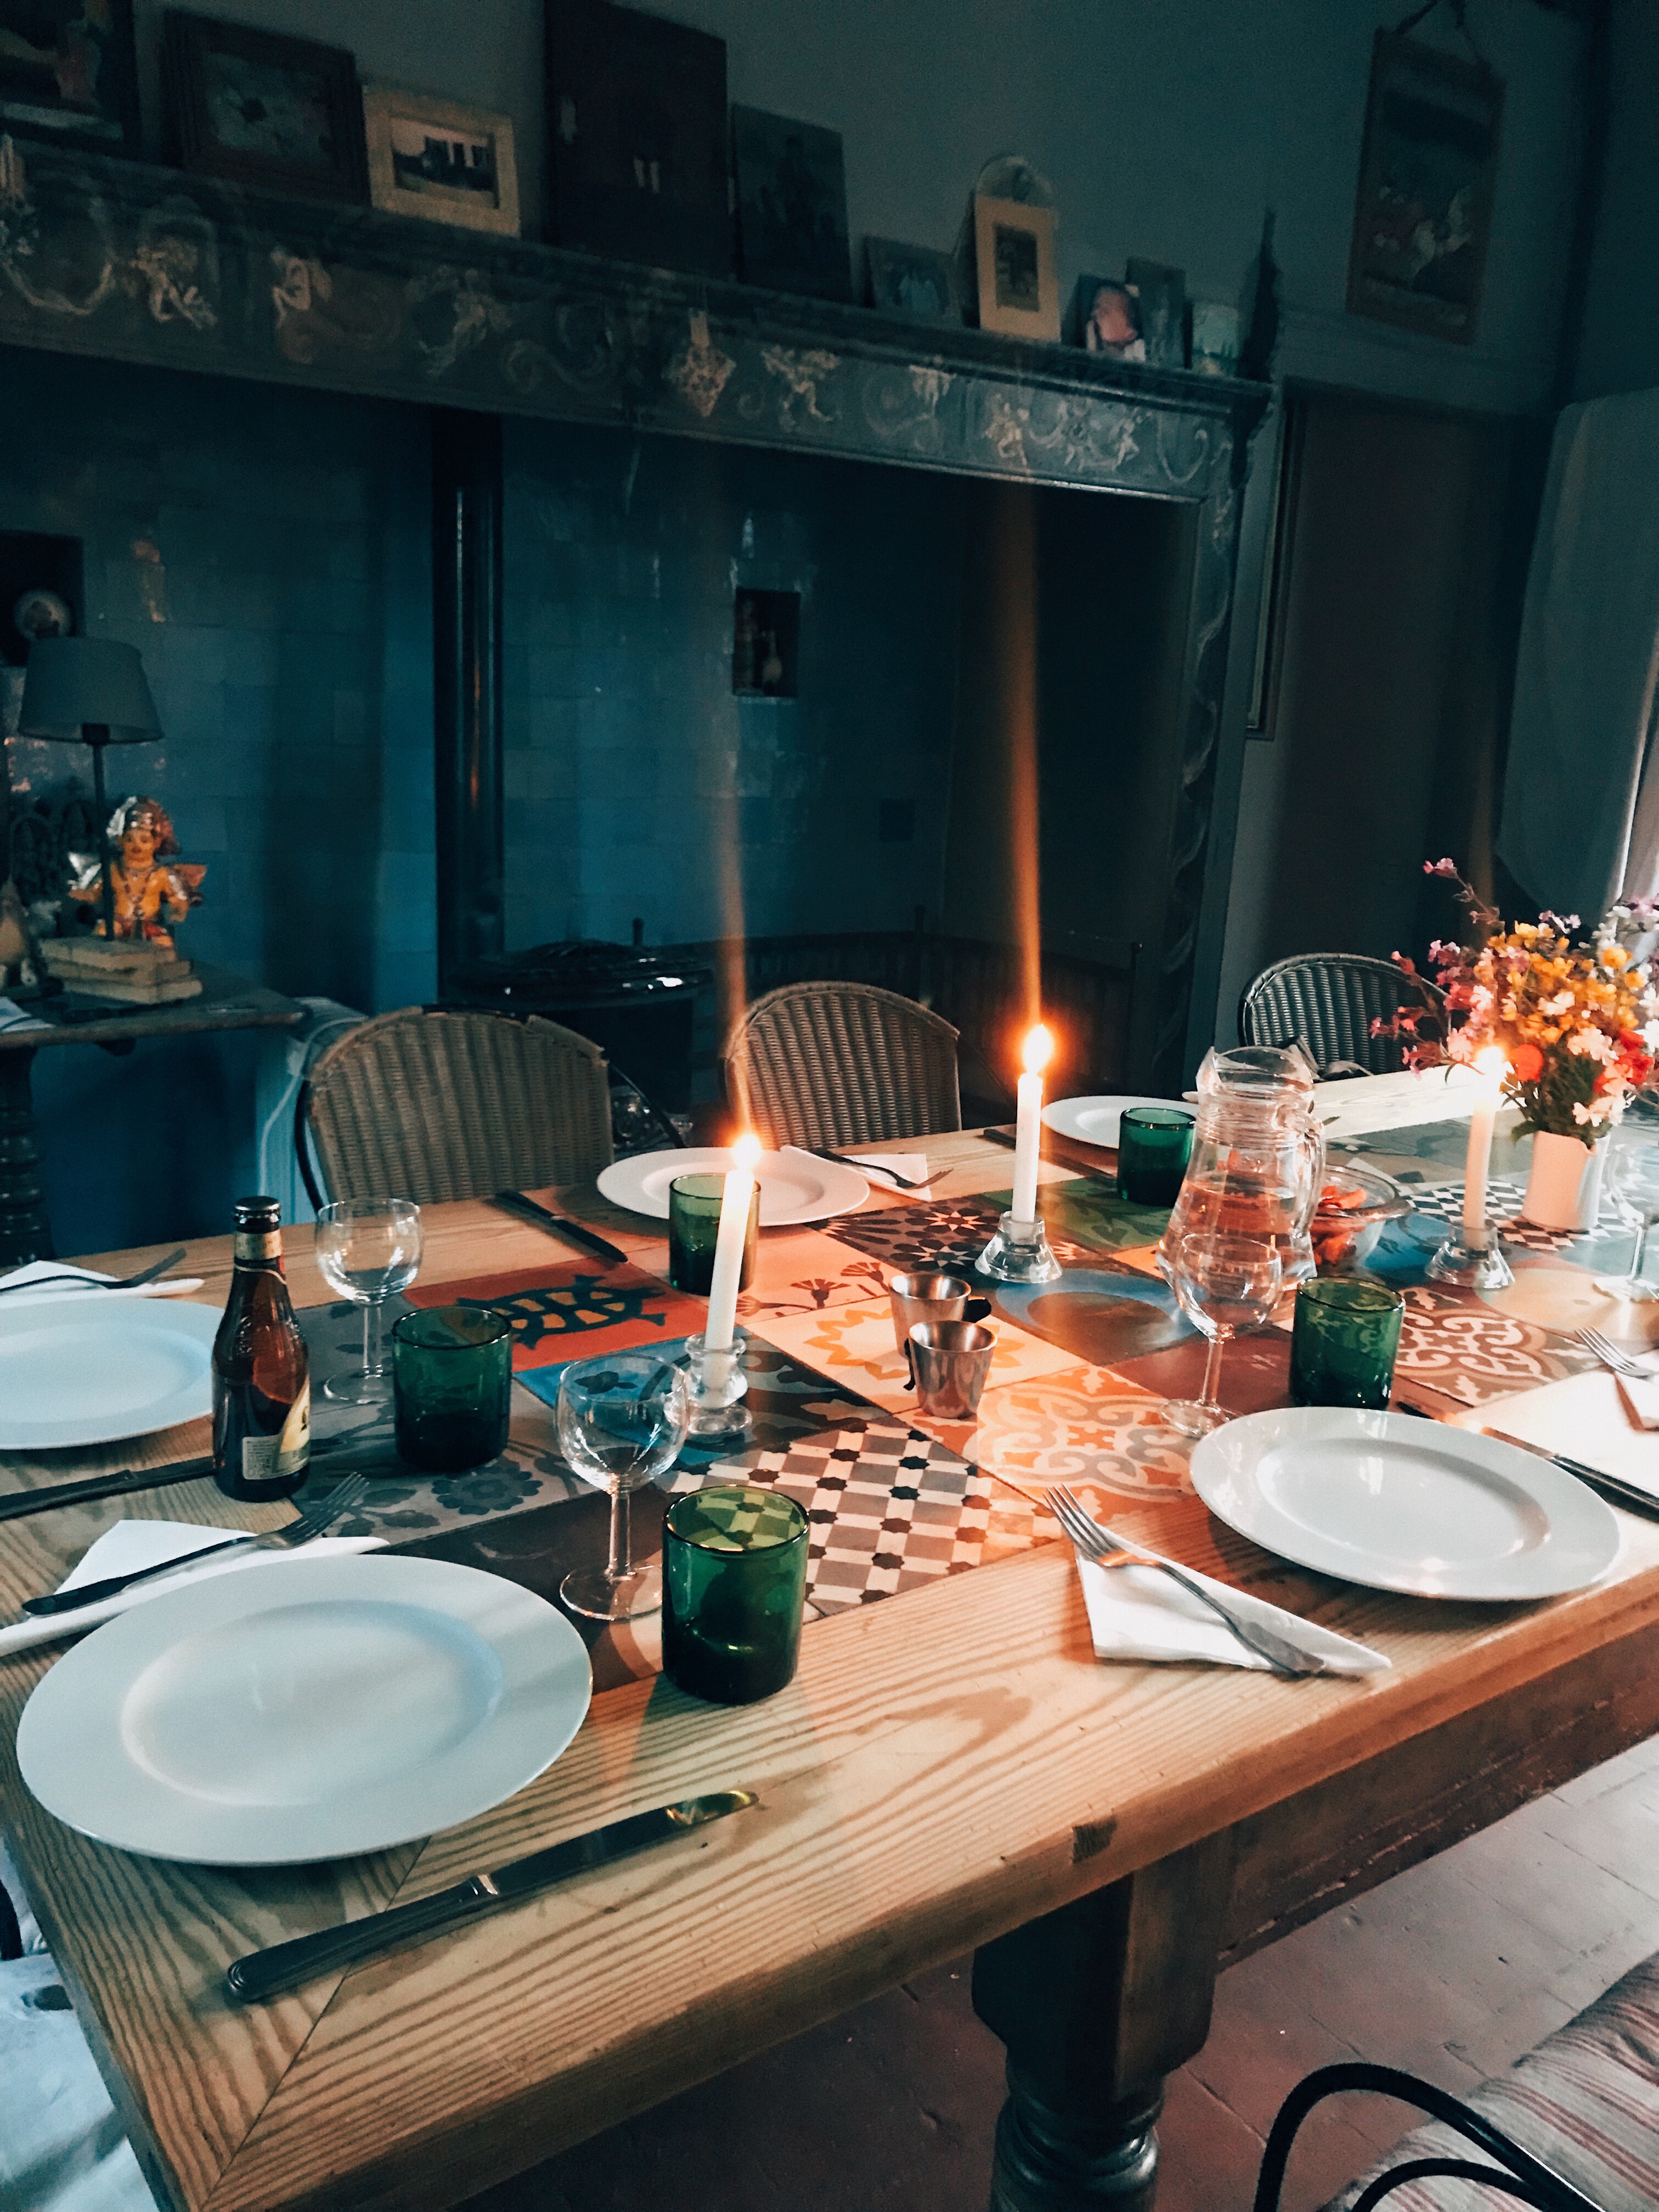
column 261, row 1974
column 1630, row 1494
column 514, row 1201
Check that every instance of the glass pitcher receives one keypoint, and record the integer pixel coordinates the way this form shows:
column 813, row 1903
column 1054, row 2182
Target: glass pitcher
column 1258, row 1155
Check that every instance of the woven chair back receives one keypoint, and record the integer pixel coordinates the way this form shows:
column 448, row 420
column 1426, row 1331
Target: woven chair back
column 1327, row 1002
column 841, row 1064
column 433, row 1106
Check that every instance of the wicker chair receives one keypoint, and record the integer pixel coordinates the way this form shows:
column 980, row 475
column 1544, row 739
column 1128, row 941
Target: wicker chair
column 1327, row 1002
column 841, row 1064
column 431, row 1106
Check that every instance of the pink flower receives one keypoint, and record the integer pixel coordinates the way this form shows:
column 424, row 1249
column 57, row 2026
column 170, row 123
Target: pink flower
column 1447, row 867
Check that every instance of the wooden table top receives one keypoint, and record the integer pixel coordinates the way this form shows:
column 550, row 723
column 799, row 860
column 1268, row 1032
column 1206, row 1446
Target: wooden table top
column 942, row 1769
column 226, row 1002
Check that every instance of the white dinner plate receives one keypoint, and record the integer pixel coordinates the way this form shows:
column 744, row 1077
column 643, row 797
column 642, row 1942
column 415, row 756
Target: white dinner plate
column 89, row 1374
column 1400, row 1504
column 794, row 1186
column 1094, row 1120
column 305, row 1710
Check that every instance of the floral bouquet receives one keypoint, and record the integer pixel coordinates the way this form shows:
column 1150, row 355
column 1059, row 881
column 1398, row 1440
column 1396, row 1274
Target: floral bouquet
column 1575, row 1021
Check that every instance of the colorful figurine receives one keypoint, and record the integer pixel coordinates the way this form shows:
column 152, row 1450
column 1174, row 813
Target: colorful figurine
column 152, row 889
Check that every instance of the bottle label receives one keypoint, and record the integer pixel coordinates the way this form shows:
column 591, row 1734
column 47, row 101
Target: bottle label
column 279, row 1458
column 257, row 1244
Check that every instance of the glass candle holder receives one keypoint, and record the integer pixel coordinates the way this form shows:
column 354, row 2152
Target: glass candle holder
column 452, row 1387
column 1344, row 1343
column 1154, row 1144
column 733, row 1585
column 694, row 1228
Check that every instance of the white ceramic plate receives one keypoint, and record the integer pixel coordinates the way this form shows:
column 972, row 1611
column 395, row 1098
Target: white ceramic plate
column 89, row 1374
column 305, row 1710
column 794, row 1186
column 1094, row 1120
column 1400, row 1504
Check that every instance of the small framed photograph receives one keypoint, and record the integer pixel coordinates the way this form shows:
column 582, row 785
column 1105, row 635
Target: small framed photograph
column 1014, row 262
column 1217, row 335
column 912, row 281
column 281, row 114
column 67, row 74
column 792, row 205
column 444, row 162
column 1162, row 293
column 1107, row 314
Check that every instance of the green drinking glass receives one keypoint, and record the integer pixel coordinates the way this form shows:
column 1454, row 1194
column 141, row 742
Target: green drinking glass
column 733, row 1585
column 1154, row 1144
column 1344, row 1343
column 452, row 1386
column 693, row 1227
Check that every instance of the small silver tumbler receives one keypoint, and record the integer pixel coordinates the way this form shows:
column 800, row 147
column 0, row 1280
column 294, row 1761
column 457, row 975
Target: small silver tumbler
column 924, row 1297
column 949, row 1362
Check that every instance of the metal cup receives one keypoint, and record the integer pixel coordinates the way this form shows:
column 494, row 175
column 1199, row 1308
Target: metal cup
column 948, row 1361
column 925, row 1297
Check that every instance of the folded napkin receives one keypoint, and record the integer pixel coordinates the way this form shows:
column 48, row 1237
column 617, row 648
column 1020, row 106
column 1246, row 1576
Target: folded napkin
column 1141, row 1612
column 172, row 1287
column 1641, row 1399
column 1585, row 1417
column 912, row 1166
column 130, row 1545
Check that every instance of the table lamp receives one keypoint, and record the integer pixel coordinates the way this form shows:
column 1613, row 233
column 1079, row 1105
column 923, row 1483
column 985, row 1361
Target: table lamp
column 89, row 691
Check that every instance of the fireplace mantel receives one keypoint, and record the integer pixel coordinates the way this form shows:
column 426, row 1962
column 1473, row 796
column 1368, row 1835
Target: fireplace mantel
column 132, row 262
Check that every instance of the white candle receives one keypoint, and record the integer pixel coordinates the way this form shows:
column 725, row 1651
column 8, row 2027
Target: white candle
column 728, row 1245
column 1490, row 1064
column 1028, row 1128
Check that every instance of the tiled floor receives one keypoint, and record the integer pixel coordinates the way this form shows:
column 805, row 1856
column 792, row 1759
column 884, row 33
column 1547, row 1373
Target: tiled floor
column 1451, row 1971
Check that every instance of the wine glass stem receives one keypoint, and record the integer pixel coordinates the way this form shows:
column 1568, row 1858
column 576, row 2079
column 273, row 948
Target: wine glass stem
column 1636, row 1257
column 371, row 1364
column 1212, row 1373
column 619, row 1565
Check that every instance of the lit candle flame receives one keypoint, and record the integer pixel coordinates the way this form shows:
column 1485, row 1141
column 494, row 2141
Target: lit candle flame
column 1036, row 1050
column 746, row 1151
column 1492, row 1061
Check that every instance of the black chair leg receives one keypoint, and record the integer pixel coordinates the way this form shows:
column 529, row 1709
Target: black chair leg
column 11, row 1936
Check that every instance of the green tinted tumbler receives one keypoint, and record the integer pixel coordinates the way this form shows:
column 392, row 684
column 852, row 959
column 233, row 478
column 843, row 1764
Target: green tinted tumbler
column 1343, row 1342
column 694, row 1226
column 1154, row 1144
column 733, row 1585
column 452, row 1386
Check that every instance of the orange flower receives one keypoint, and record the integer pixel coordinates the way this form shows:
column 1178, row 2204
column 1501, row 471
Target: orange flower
column 1527, row 1063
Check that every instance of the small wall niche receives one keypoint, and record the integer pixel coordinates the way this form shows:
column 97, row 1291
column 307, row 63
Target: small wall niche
column 766, row 644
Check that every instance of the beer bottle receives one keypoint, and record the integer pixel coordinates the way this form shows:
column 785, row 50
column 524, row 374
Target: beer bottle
column 261, row 1373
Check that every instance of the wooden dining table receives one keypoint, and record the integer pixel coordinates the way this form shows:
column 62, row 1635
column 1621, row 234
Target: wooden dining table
column 950, row 1769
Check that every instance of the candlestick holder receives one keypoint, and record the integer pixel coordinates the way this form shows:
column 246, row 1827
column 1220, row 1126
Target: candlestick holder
column 717, row 1385
column 1472, row 1257
column 1019, row 1253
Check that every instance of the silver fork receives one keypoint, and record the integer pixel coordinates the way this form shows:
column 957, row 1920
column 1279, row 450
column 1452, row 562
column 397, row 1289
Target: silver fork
column 1283, row 1656
column 340, row 1499
column 1618, row 1362
column 123, row 1283
column 867, row 1167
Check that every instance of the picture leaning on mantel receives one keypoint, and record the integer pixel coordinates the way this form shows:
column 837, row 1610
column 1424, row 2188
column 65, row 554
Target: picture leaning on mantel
column 438, row 161
column 280, row 114
column 69, row 74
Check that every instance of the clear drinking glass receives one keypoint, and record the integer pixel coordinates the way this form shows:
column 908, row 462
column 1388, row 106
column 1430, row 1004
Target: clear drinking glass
column 1630, row 1174
column 623, row 1418
column 367, row 1249
column 1224, row 1284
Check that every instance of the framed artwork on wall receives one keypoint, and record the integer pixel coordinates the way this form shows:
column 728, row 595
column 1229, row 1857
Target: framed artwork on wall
column 67, row 74
column 1161, row 294
column 1106, row 315
column 916, row 281
column 1014, row 262
column 792, row 205
column 281, row 114
column 636, row 138
column 437, row 159
column 1428, row 172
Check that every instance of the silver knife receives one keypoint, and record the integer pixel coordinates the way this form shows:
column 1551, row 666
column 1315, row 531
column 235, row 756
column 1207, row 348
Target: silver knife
column 1622, row 1492
column 261, row 1974
column 572, row 1232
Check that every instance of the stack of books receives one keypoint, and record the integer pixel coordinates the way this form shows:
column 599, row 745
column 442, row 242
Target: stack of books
column 129, row 969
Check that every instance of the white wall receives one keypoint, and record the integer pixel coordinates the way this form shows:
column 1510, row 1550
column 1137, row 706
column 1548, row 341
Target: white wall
column 1620, row 345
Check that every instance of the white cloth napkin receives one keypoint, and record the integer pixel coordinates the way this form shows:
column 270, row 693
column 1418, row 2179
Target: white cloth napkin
column 171, row 1286
column 1641, row 1399
column 1141, row 1612
column 130, row 1545
column 912, row 1166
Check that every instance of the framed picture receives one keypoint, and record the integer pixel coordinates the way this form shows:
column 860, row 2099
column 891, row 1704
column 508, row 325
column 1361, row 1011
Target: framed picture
column 913, row 281
column 68, row 73
column 1106, row 315
column 278, row 114
column 1217, row 337
column 1427, row 174
column 637, row 135
column 1161, row 292
column 1014, row 264
column 792, row 205
column 445, row 163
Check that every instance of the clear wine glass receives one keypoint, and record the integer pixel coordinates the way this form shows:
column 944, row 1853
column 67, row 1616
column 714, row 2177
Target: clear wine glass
column 623, row 1418
column 367, row 1249
column 1630, row 1171
column 1224, row 1284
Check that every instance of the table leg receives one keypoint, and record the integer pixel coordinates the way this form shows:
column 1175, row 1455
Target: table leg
column 25, row 1231
column 1097, row 2003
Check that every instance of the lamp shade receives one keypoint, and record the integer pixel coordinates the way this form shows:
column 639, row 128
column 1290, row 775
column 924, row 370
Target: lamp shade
column 73, row 682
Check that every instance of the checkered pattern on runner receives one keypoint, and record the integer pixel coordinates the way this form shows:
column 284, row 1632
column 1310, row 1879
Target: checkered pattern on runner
column 1505, row 1196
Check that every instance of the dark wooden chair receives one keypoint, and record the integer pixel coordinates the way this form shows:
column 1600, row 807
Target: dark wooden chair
column 1327, row 1002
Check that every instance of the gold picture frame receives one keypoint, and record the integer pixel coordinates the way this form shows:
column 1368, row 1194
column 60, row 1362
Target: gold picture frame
column 1014, row 261
column 441, row 160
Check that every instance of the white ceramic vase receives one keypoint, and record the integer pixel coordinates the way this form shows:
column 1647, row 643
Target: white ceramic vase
column 1564, row 1190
